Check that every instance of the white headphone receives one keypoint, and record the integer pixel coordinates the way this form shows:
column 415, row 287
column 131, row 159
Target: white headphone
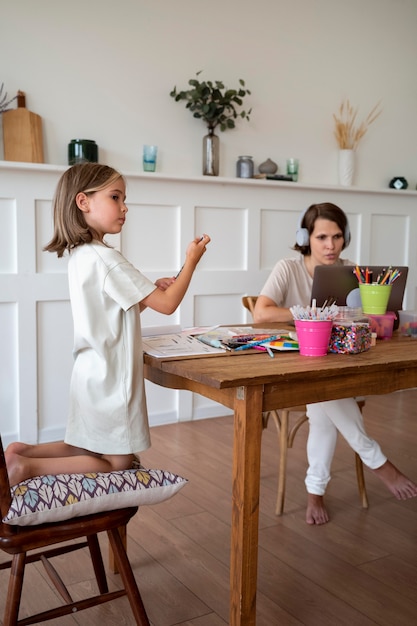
column 302, row 236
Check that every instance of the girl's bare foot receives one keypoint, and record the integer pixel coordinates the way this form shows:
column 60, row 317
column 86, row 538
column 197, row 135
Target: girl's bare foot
column 17, row 468
column 316, row 511
column 398, row 484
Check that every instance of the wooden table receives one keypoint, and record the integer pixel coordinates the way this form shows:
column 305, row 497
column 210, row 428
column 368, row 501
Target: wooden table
column 252, row 383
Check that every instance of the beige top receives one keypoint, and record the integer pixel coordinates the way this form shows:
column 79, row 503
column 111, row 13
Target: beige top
column 289, row 283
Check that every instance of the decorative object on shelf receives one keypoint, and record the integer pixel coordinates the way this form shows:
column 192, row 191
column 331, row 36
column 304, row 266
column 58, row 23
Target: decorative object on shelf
column 216, row 105
column 346, row 166
column 268, row 167
column 348, row 135
column 244, row 167
column 398, row 182
column 82, row 150
column 22, row 133
column 211, row 154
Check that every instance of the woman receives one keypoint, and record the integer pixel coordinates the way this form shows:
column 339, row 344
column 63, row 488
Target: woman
column 322, row 234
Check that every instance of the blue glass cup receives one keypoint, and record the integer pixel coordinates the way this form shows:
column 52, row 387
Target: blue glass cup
column 149, row 158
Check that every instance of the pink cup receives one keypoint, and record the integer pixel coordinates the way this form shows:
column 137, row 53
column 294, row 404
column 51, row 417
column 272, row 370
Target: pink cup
column 313, row 336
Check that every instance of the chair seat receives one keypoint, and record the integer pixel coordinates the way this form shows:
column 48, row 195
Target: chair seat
column 15, row 539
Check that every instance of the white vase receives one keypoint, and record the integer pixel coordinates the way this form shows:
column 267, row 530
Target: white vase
column 346, row 167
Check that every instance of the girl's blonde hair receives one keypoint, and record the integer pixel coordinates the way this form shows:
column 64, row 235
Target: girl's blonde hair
column 70, row 228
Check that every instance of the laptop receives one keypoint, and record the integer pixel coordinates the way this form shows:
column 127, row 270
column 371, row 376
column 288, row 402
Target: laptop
column 340, row 283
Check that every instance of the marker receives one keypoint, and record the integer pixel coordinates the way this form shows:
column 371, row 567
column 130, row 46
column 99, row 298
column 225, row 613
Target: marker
column 265, row 349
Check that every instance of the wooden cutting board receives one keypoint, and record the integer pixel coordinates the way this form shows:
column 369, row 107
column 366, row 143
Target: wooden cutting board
column 22, row 134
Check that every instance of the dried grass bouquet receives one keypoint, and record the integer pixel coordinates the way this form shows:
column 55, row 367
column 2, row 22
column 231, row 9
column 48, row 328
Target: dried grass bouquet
column 347, row 132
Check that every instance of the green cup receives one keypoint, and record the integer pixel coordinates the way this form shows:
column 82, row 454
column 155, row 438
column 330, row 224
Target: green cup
column 374, row 298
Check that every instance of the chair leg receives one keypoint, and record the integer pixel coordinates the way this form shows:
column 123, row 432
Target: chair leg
column 112, row 562
column 285, row 441
column 282, row 471
column 126, row 573
column 361, row 481
column 14, row 592
column 98, row 564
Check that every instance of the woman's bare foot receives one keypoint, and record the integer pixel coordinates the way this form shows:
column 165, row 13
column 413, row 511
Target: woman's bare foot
column 316, row 511
column 398, row 484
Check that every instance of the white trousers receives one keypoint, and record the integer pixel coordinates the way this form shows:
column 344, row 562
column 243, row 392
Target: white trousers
column 325, row 420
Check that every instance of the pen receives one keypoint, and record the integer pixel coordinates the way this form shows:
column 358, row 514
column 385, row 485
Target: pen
column 201, row 239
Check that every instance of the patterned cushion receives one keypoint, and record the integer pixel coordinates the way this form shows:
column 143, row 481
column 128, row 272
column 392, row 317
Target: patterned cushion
column 52, row 498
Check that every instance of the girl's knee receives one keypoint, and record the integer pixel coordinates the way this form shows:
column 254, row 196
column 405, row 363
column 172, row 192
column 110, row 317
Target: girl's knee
column 119, row 462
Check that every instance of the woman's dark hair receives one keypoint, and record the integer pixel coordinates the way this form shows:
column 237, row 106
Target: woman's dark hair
column 70, row 228
column 326, row 211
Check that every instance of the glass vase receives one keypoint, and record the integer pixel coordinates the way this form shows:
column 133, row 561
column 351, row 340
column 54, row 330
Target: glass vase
column 211, row 154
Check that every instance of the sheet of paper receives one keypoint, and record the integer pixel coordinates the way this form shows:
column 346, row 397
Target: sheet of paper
column 148, row 331
column 176, row 344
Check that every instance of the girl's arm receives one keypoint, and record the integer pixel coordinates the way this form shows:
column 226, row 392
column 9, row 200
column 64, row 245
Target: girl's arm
column 266, row 310
column 161, row 283
column 167, row 297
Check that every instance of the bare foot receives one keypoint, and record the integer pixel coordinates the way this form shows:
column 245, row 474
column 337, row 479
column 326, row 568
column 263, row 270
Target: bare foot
column 316, row 511
column 398, row 484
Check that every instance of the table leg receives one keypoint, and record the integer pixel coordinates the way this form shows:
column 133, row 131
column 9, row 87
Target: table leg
column 245, row 505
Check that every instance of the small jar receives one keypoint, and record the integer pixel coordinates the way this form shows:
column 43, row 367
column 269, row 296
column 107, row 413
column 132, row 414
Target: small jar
column 82, row 150
column 244, row 167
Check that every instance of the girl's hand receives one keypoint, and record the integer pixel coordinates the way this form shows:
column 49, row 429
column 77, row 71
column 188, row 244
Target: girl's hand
column 170, row 291
column 164, row 283
column 197, row 248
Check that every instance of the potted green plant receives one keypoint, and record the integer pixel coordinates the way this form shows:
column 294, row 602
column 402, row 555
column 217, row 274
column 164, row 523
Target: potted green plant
column 217, row 106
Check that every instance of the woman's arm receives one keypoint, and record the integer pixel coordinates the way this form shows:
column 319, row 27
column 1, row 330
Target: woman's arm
column 267, row 311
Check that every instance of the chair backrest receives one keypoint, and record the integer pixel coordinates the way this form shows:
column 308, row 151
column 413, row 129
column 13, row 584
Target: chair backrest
column 5, row 494
column 249, row 303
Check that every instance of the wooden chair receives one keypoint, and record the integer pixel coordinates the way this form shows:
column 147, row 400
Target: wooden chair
column 286, row 433
column 18, row 541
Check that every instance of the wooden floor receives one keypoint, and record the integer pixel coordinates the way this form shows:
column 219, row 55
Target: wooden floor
column 358, row 570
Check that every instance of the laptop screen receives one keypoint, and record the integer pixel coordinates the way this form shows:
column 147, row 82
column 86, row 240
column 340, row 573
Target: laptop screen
column 338, row 282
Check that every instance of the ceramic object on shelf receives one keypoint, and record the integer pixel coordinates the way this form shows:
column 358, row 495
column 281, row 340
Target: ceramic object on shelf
column 398, row 182
column 268, row 167
column 82, row 150
column 346, row 167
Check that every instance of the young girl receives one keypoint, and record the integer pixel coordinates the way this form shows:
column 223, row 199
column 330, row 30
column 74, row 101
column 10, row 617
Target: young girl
column 322, row 235
column 108, row 420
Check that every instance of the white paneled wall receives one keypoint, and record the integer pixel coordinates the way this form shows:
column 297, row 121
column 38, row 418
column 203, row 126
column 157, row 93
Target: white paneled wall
column 252, row 224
